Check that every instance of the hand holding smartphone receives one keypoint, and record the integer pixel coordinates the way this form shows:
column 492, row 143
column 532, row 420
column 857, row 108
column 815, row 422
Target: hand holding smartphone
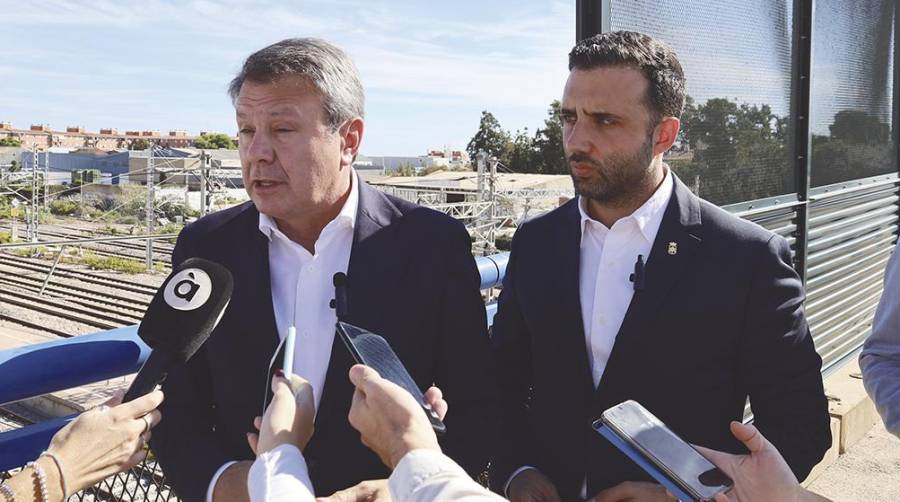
column 666, row 457
column 283, row 359
column 374, row 351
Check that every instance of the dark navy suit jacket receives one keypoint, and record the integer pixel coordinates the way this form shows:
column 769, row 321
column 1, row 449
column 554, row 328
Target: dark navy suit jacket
column 411, row 279
column 719, row 321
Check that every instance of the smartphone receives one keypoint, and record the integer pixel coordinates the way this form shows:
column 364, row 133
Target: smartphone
column 691, row 473
column 283, row 359
column 374, row 351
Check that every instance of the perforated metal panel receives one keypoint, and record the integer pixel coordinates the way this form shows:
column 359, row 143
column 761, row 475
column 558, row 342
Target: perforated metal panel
column 851, row 90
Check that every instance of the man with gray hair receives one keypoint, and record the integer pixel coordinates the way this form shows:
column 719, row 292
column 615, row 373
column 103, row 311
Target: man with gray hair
column 410, row 278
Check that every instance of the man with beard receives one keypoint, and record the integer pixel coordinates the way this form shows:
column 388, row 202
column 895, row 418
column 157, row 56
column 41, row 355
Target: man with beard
column 637, row 289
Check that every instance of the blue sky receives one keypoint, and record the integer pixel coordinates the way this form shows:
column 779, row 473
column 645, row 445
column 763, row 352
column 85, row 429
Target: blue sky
column 429, row 68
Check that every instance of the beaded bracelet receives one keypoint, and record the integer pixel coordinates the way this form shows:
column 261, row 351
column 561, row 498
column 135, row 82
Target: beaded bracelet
column 41, row 477
column 62, row 477
column 8, row 493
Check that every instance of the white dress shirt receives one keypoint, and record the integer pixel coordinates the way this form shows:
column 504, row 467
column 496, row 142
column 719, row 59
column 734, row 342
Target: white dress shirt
column 280, row 475
column 608, row 257
column 302, row 289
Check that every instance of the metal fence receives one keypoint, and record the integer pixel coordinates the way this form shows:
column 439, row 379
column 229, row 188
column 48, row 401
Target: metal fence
column 852, row 232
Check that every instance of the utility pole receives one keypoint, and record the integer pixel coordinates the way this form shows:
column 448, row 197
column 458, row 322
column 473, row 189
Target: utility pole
column 33, row 217
column 492, row 209
column 202, row 183
column 150, row 209
column 480, row 161
column 47, row 179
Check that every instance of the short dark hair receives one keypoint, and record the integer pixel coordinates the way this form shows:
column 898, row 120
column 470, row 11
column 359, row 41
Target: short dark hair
column 325, row 66
column 655, row 59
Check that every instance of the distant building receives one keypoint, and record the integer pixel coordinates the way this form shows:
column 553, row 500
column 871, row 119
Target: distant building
column 181, row 166
column 9, row 154
column 42, row 136
column 61, row 162
column 467, row 182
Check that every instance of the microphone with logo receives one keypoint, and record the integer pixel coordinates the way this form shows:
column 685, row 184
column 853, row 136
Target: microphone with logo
column 179, row 319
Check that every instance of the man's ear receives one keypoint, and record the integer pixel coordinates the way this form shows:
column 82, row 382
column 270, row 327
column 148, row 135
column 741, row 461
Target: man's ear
column 351, row 133
column 665, row 134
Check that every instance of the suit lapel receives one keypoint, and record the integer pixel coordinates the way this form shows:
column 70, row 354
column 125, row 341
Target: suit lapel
column 373, row 214
column 673, row 250
column 566, row 296
column 260, row 331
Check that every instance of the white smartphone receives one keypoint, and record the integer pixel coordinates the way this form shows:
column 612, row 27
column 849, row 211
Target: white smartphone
column 283, row 359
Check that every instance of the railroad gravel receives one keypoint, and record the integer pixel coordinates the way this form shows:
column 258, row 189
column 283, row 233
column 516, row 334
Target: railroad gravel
column 153, row 280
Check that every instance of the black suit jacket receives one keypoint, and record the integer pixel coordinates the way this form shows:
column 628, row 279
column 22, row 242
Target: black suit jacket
column 718, row 321
column 411, row 279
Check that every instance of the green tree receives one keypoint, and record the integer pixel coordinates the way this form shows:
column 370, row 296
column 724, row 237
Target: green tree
column 10, row 142
column 214, row 141
column 139, row 144
column 14, row 166
column 519, row 152
column 405, row 169
column 549, row 157
column 857, row 127
column 431, row 169
column 737, row 151
column 859, row 146
column 490, row 137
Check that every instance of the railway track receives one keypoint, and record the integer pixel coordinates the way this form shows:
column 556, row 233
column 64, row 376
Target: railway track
column 62, row 271
column 159, row 245
column 63, row 310
column 85, row 301
column 55, row 286
column 162, row 251
column 103, row 307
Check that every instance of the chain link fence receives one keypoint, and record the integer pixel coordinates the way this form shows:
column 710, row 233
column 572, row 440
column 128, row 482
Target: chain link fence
column 143, row 482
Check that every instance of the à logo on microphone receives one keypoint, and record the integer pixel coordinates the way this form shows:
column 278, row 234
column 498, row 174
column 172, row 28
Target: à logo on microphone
column 188, row 289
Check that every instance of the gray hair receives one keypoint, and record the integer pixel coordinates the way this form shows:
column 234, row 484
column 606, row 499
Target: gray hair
column 325, row 66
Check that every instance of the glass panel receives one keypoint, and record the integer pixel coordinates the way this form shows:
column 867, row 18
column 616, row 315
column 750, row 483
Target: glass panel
column 736, row 57
column 852, row 88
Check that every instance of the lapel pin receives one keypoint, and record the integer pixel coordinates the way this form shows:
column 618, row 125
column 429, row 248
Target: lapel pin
column 673, row 248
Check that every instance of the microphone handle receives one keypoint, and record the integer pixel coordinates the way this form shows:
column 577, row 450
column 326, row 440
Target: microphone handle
column 152, row 373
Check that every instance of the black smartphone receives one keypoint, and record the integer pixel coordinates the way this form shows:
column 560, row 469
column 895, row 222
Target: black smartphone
column 671, row 455
column 374, row 351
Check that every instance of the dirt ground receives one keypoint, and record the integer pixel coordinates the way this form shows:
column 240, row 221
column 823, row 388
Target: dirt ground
column 868, row 472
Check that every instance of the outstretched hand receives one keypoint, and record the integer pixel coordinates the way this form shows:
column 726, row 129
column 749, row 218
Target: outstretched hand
column 761, row 475
column 390, row 421
column 290, row 417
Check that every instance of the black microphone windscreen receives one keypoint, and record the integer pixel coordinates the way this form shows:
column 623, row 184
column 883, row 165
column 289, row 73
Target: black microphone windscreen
column 186, row 308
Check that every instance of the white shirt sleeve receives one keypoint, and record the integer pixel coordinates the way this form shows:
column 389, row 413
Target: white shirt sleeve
column 429, row 475
column 215, row 479
column 280, row 475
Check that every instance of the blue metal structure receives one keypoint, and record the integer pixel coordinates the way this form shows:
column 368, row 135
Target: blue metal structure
column 47, row 367
column 42, row 368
